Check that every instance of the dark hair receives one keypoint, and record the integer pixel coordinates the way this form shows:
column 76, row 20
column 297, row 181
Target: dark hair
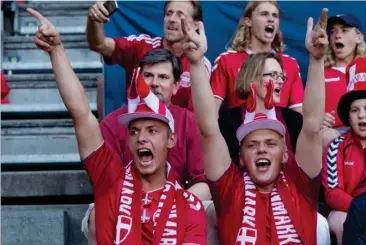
column 157, row 56
column 197, row 10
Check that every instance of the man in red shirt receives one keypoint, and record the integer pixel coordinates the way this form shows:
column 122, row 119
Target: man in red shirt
column 161, row 70
column 274, row 200
column 258, row 31
column 127, row 51
column 141, row 203
column 346, row 43
column 344, row 171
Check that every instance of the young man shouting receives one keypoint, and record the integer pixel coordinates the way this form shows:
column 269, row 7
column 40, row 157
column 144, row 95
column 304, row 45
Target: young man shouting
column 273, row 198
column 141, row 203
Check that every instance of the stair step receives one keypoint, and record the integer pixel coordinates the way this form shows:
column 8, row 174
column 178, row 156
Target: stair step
column 66, row 20
column 21, row 54
column 45, row 183
column 22, row 223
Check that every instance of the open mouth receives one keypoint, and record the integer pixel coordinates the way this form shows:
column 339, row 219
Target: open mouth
column 339, row 45
column 145, row 155
column 172, row 28
column 362, row 125
column 269, row 29
column 277, row 90
column 262, row 164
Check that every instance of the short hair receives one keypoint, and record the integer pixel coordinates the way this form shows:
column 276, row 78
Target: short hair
column 197, row 9
column 157, row 56
column 250, row 70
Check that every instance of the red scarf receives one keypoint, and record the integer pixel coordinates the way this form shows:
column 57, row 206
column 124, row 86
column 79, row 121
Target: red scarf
column 167, row 225
column 253, row 231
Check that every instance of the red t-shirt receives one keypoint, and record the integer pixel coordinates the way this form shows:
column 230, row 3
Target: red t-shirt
column 129, row 51
column 185, row 157
column 106, row 174
column 335, row 88
column 4, row 90
column 226, row 69
column 344, row 171
column 228, row 195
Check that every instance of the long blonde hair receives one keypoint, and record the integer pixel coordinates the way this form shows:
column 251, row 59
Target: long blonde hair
column 242, row 37
column 330, row 59
column 252, row 68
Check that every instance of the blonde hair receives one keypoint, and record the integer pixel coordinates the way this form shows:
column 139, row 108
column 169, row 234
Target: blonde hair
column 242, row 37
column 250, row 70
column 330, row 59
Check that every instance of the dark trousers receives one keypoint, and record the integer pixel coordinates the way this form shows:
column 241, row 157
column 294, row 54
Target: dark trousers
column 354, row 229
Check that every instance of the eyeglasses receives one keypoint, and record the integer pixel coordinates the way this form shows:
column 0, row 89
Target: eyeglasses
column 276, row 75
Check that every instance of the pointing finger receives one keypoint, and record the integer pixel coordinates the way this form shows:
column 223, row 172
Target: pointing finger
column 37, row 15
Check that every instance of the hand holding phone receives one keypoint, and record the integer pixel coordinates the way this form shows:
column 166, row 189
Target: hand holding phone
column 111, row 6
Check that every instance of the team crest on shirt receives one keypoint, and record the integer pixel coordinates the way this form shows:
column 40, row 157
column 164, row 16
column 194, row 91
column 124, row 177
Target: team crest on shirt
column 123, row 228
column 185, row 79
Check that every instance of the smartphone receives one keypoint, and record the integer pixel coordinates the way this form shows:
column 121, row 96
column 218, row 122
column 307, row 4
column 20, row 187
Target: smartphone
column 111, row 6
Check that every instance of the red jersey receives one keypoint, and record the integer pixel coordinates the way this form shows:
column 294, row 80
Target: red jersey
column 129, row 51
column 344, row 171
column 335, row 88
column 4, row 90
column 226, row 69
column 185, row 157
column 107, row 175
column 300, row 201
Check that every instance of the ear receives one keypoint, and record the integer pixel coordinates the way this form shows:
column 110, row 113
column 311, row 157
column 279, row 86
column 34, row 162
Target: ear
column 196, row 24
column 172, row 140
column 359, row 37
column 247, row 21
column 176, row 86
column 285, row 157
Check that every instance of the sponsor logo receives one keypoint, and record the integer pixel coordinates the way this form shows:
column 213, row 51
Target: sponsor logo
column 185, row 79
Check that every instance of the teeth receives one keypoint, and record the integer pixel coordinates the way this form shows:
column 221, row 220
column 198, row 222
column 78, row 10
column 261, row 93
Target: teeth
column 263, row 161
column 143, row 150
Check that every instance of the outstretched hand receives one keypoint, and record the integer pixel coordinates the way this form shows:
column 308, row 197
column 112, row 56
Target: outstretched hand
column 195, row 45
column 316, row 40
column 47, row 37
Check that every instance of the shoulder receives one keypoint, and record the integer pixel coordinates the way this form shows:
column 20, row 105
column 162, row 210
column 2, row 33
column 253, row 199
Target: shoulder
column 288, row 60
column 144, row 38
column 113, row 116
column 228, row 56
column 193, row 203
column 334, row 146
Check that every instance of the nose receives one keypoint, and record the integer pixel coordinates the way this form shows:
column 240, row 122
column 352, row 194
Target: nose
column 261, row 148
column 362, row 114
column 154, row 82
column 142, row 137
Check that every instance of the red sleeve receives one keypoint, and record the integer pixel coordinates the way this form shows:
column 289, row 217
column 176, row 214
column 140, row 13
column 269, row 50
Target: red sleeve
column 196, row 228
column 4, row 89
column 103, row 167
column 109, row 127
column 208, row 69
column 219, row 79
column 305, row 186
column 194, row 153
column 297, row 90
column 224, row 189
column 129, row 50
column 332, row 177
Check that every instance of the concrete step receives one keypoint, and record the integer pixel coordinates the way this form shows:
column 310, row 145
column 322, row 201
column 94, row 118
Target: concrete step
column 34, row 93
column 38, row 142
column 42, row 224
column 61, row 183
column 66, row 19
column 21, row 54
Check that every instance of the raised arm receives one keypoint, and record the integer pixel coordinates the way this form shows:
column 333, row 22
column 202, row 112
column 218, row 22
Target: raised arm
column 97, row 41
column 309, row 144
column 215, row 151
column 87, row 129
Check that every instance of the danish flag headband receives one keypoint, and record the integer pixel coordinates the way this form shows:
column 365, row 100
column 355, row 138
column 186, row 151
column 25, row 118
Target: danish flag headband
column 142, row 103
column 254, row 121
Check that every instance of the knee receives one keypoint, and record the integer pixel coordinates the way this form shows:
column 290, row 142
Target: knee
column 323, row 235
